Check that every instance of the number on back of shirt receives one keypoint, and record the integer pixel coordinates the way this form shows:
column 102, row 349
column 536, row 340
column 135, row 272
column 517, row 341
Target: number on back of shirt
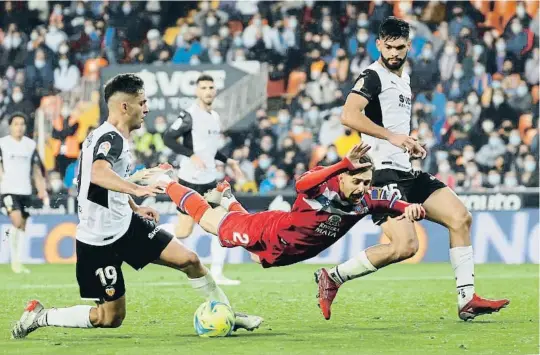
column 240, row 238
column 107, row 275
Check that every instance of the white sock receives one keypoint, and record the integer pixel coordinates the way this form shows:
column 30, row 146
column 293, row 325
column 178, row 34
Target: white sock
column 207, row 286
column 463, row 264
column 71, row 317
column 15, row 235
column 352, row 268
column 219, row 254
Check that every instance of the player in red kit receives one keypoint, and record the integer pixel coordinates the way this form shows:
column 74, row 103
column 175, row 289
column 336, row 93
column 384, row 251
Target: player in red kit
column 330, row 201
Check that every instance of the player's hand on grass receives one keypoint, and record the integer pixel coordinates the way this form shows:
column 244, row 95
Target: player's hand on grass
column 354, row 155
column 199, row 164
column 151, row 190
column 413, row 212
column 148, row 213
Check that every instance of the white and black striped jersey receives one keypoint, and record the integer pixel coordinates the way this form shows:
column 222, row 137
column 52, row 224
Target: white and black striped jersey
column 104, row 215
column 18, row 158
column 200, row 132
column 389, row 106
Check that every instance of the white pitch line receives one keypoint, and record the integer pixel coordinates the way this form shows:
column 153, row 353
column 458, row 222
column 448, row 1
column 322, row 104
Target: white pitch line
column 269, row 281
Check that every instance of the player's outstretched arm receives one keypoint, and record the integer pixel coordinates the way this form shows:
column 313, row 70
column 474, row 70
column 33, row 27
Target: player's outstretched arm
column 381, row 200
column 319, row 175
column 104, row 176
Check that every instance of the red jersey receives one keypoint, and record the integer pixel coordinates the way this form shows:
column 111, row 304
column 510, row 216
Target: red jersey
column 319, row 217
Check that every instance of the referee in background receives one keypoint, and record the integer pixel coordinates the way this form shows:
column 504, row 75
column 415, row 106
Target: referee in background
column 196, row 135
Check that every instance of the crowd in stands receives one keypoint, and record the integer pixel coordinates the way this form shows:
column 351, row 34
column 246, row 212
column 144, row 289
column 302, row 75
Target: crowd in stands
column 473, row 67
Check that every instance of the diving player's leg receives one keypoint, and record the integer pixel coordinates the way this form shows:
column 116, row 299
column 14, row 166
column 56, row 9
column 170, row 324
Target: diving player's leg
column 445, row 208
column 184, row 226
column 18, row 215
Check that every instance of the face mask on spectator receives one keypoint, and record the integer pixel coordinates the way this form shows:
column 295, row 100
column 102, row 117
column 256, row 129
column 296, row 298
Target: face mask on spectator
column 498, row 99
column 423, row 131
column 472, row 100
column 327, row 25
column 494, row 179
column 427, row 53
column 283, row 117
column 478, row 49
column 516, row 28
column 496, row 84
column 126, row 9
column 362, row 23
column 488, row 126
column 264, row 164
column 211, row 21
column 449, row 50
column 444, row 168
column 33, row 36
column 194, row 60
column 224, row 32
column 63, row 49
column 530, row 166
column 471, row 170
column 57, row 10
column 39, row 63
column 17, row 97
column 80, row 10
column 216, row 59
column 510, row 181
column 520, row 11
column 63, row 63
column 213, row 43
column 514, row 139
column 280, row 183
column 493, row 141
column 522, row 90
column 458, row 74
column 53, row 29
column 88, row 30
column 298, row 129
column 468, row 155
column 160, row 127
column 478, row 70
column 441, row 155
column 56, row 185
column 450, row 111
column 378, row 2
column 293, row 22
column 205, row 6
column 266, row 147
column 257, row 22
column 16, row 42
column 331, row 156
column 306, row 105
column 326, row 44
column 500, row 46
column 362, row 37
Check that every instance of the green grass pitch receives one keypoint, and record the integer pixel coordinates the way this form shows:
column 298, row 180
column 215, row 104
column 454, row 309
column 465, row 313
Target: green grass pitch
column 403, row 309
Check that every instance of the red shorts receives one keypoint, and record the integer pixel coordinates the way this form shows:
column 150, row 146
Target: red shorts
column 257, row 233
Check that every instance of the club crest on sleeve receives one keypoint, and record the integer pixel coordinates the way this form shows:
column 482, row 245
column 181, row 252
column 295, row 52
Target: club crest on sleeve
column 104, row 148
column 359, row 84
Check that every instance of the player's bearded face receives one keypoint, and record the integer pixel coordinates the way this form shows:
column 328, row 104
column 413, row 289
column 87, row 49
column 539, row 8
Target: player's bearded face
column 393, row 52
column 354, row 187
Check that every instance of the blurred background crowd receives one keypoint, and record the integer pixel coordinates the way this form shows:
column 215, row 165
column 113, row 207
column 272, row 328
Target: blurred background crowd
column 474, row 69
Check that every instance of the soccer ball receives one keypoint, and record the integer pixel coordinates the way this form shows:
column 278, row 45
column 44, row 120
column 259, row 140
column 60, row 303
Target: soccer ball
column 214, row 319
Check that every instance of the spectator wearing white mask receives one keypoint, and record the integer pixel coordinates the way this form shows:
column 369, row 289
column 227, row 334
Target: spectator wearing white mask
column 487, row 155
column 447, row 61
column 14, row 52
column 55, row 37
column 521, row 102
column 531, row 68
column 67, row 75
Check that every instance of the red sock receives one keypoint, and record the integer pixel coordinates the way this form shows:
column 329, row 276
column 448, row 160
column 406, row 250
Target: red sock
column 237, row 207
column 188, row 200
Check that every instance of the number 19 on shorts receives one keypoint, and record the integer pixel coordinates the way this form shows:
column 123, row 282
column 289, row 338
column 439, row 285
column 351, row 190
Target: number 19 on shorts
column 107, row 275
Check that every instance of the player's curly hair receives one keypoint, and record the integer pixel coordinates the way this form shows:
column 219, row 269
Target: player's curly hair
column 127, row 83
column 394, row 28
column 365, row 159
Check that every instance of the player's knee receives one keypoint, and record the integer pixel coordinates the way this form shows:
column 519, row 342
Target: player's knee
column 192, row 259
column 461, row 220
column 113, row 320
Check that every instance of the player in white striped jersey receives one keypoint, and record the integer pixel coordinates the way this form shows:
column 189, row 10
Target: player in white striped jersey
column 379, row 106
column 19, row 163
column 195, row 135
column 113, row 229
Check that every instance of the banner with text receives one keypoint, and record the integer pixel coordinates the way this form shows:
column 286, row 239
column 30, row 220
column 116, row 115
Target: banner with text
column 498, row 237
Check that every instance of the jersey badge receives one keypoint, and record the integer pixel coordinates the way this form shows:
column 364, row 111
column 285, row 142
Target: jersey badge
column 104, row 148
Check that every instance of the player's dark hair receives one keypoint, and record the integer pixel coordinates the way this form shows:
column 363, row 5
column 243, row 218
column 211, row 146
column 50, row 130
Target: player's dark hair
column 14, row 115
column 365, row 159
column 126, row 83
column 204, row 77
column 394, row 28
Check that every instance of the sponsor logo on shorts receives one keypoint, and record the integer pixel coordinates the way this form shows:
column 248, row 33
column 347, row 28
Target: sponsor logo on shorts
column 154, row 232
column 110, row 291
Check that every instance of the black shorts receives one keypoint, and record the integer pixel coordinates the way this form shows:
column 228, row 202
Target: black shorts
column 200, row 188
column 11, row 202
column 99, row 268
column 414, row 187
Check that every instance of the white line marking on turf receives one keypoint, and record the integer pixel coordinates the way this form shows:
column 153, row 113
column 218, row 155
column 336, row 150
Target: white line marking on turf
column 367, row 279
